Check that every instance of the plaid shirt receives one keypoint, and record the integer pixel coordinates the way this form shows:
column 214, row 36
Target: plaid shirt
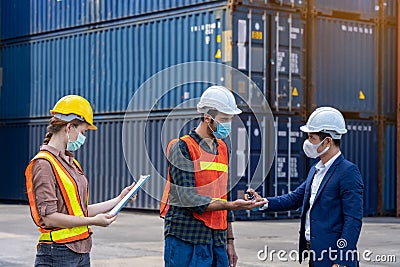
column 179, row 220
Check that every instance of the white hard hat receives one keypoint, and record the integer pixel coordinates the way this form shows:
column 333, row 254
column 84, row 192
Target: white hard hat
column 219, row 98
column 326, row 120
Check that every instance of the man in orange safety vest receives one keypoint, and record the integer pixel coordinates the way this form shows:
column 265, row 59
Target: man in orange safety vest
column 196, row 205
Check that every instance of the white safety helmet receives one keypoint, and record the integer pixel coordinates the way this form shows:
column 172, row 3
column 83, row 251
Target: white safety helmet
column 326, row 120
column 219, row 98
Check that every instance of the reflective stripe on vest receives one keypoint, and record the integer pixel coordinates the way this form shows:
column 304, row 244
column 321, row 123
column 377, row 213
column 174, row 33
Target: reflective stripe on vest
column 70, row 195
column 211, row 178
column 213, row 166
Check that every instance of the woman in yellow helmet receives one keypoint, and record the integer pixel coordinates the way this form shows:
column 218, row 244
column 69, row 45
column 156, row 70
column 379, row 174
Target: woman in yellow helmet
column 58, row 189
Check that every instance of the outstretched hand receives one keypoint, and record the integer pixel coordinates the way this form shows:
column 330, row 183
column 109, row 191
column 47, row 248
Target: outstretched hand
column 241, row 204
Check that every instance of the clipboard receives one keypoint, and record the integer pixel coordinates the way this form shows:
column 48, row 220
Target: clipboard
column 122, row 203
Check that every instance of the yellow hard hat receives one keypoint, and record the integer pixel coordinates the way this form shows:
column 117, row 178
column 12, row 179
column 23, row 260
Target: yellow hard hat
column 74, row 107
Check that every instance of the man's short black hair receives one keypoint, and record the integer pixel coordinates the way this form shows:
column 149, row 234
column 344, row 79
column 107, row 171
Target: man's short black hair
column 211, row 112
column 322, row 136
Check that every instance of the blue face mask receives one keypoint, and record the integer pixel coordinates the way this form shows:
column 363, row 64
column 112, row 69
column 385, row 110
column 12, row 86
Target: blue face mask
column 75, row 145
column 223, row 130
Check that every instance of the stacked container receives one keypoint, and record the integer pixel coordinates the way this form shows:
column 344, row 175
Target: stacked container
column 354, row 69
column 300, row 54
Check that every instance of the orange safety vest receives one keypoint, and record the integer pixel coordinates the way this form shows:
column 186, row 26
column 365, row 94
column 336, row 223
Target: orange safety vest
column 211, row 179
column 70, row 195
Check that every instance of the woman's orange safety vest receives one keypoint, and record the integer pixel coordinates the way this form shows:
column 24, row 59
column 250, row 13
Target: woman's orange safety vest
column 70, row 195
column 211, row 179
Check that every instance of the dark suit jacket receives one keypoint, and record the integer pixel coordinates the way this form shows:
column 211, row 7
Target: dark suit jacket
column 336, row 213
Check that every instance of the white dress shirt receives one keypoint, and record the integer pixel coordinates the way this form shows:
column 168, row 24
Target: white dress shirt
column 321, row 170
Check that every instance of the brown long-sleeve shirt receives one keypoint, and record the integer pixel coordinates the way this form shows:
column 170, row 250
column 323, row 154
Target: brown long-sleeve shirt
column 48, row 195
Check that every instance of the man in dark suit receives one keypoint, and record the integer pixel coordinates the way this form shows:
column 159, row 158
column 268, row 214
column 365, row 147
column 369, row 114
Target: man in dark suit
column 331, row 197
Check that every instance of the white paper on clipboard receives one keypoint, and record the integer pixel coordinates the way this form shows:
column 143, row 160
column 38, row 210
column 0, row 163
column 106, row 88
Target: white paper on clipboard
column 117, row 208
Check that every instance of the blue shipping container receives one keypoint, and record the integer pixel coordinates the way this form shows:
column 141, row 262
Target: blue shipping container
column 107, row 64
column 55, row 15
column 345, row 66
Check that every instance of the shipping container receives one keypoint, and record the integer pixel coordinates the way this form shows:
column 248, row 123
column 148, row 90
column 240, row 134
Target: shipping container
column 356, row 9
column 56, row 15
column 356, row 60
column 104, row 64
column 345, row 66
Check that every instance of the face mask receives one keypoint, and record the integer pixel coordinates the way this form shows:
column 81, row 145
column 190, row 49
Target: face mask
column 75, row 145
column 311, row 149
column 223, row 130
